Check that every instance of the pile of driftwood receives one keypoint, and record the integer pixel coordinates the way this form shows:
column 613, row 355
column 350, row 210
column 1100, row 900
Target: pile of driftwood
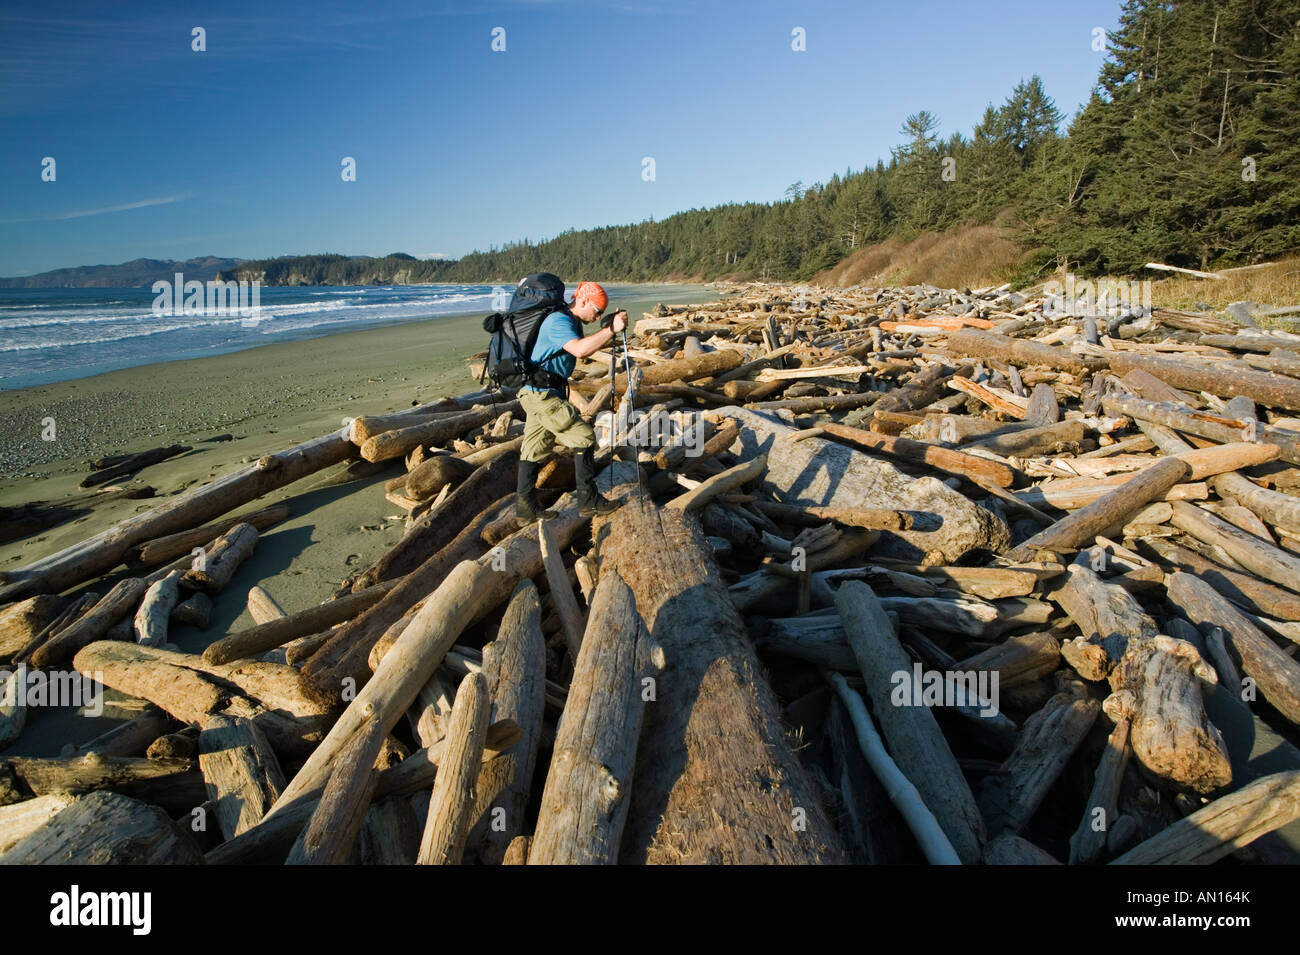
column 901, row 575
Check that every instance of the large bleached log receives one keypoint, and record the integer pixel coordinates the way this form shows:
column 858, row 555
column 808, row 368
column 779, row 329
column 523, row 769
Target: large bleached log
column 816, row 472
column 1158, row 687
column 1280, row 510
column 915, row 739
column 275, row 633
column 21, row 819
column 1275, row 673
column 918, row 452
column 173, row 783
column 337, row 819
column 515, row 666
column 1223, row 826
column 394, row 444
column 112, row 607
column 163, row 549
column 272, row 838
column 242, row 774
column 23, row 621
column 106, row 829
column 156, row 610
column 1225, row 379
column 584, row 805
column 1102, row 809
column 213, row 571
column 451, row 805
column 470, row 590
column 563, row 601
column 975, row 343
column 1203, row 424
column 1243, row 589
column 1048, row 439
column 716, row 780
column 1111, row 510
column 188, row 688
column 1254, row 553
column 1047, row 741
column 106, row 550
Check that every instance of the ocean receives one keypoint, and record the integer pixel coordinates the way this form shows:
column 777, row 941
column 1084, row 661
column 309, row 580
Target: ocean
column 49, row 335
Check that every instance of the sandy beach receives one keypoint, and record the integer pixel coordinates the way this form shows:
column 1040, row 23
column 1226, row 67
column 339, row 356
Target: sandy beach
column 267, row 398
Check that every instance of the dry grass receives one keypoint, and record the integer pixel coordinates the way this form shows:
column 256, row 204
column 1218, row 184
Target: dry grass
column 962, row 257
column 1276, row 284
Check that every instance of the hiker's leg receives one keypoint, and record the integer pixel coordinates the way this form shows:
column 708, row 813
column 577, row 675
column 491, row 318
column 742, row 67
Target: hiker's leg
column 579, row 435
column 537, row 445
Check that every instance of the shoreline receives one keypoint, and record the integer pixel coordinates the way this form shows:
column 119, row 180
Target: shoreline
column 268, row 398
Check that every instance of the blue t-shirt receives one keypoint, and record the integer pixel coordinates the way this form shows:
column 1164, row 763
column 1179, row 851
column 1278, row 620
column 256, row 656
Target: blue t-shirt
column 557, row 329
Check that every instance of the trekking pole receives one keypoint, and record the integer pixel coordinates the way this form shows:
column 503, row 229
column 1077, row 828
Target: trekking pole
column 613, row 407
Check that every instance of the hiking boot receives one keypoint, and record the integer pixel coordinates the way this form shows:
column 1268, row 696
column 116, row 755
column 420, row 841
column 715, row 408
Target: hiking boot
column 597, row 504
column 590, row 501
column 527, row 507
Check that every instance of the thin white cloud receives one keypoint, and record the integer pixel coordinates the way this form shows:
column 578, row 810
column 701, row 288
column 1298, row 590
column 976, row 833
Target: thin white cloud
column 81, row 214
column 160, row 201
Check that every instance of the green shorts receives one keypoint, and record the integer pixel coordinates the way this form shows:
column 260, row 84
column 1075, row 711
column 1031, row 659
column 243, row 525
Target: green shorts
column 551, row 419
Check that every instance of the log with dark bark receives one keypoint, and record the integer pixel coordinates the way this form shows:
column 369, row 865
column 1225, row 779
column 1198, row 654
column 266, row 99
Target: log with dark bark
column 1111, row 510
column 132, row 463
column 162, row 549
column 588, row 787
column 119, row 602
column 451, row 805
column 716, row 780
column 515, row 666
column 106, row 829
column 104, row 551
column 1275, row 673
column 275, row 633
column 1225, row 379
column 1226, row 824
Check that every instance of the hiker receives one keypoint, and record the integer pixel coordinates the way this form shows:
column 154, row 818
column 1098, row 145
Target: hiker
column 550, row 416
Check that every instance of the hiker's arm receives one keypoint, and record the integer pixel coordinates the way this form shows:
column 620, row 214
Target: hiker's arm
column 583, row 347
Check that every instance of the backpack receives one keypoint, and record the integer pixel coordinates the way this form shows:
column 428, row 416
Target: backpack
column 514, row 333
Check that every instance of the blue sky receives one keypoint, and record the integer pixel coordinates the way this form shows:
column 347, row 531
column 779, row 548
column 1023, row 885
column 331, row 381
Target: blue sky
column 165, row 152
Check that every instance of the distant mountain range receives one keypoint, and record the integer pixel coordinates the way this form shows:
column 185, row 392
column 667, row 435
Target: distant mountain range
column 138, row 273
